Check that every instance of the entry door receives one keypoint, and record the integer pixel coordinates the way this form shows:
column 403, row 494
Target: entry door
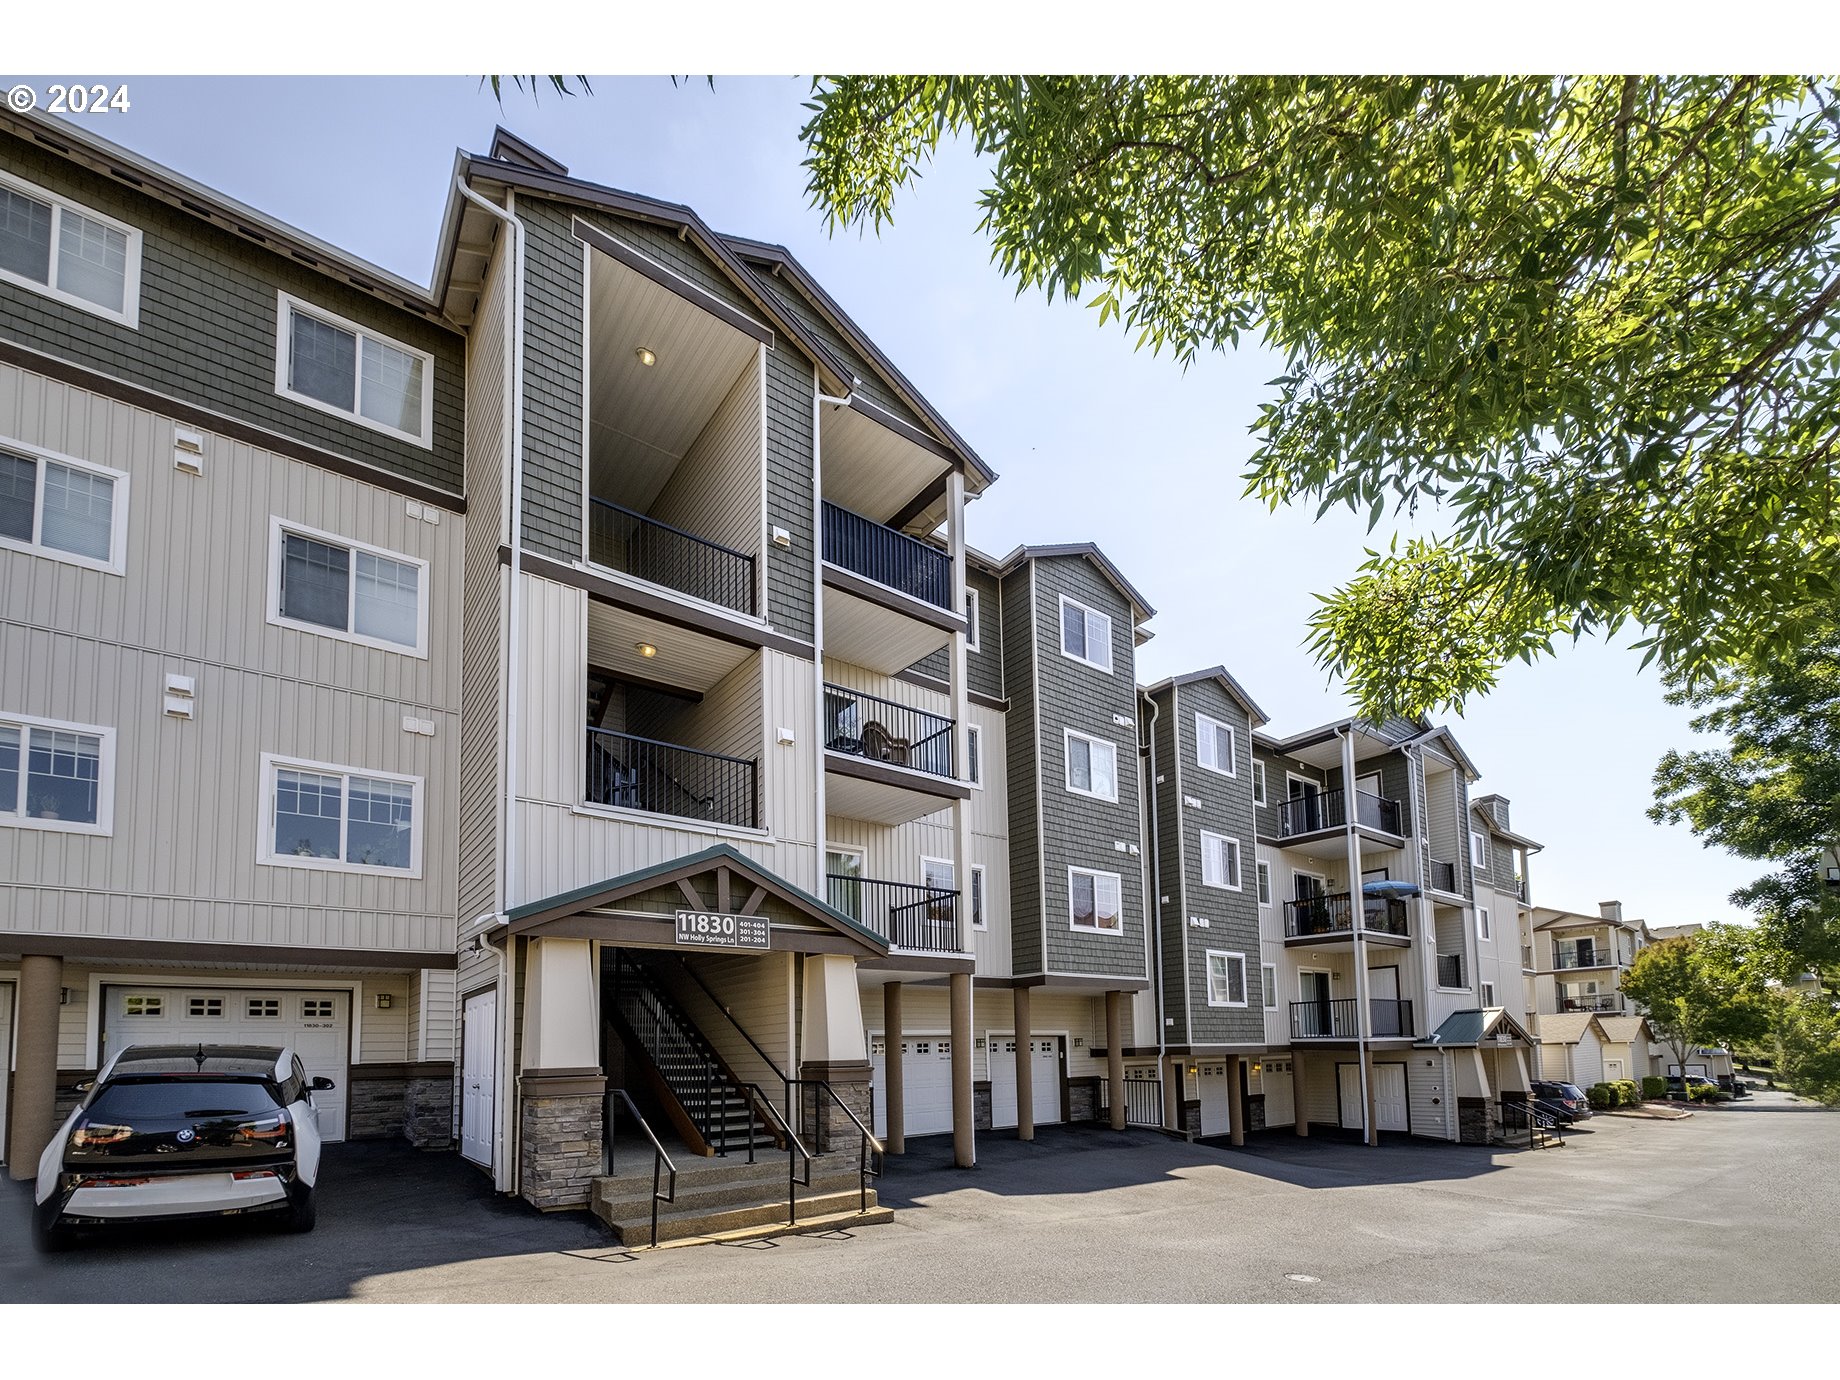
column 1216, row 1099
column 1280, row 1095
column 478, row 1076
column 1390, row 1097
column 1383, row 1001
column 1306, row 815
column 1313, row 992
column 6, row 1058
column 1045, row 1079
column 1348, row 1079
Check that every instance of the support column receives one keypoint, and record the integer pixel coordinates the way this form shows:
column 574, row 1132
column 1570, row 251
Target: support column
column 1367, row 1084
column 964, row 1134
column 1025, row 1069
column 832, row 1050
column 1114, row 1055
column 1172, row 1094
column 34, row 1101
column 561, row 1088
column 894, row 1072
column 1236, row 1070
column 1300, row 1102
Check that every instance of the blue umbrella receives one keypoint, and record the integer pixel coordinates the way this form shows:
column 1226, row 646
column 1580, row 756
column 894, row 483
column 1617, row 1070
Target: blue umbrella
column 1389, row 890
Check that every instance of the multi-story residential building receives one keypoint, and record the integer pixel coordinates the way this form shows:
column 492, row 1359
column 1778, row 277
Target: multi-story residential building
column 1577, row 960
column 1499, row 863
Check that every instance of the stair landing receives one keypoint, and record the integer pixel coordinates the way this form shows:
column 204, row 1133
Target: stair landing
column 728, row 1199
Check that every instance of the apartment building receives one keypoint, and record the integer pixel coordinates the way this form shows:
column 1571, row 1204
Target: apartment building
column 1576, row 960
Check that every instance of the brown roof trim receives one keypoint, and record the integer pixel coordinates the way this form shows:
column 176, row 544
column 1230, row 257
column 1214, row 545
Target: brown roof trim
column 926, row 682
column 920, row 963
column 650, row 269
column 86, row 946
column 1081, row 982
column 664, row 609
column 120, row 390
column 373, row 1073
column 923, row 783
column 1091, row 551
column 509, row 148
column 918, row 609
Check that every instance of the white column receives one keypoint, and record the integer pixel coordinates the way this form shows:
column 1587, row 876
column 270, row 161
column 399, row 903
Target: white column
column 1358, row 920
column 961, row 738
column 561, row 1006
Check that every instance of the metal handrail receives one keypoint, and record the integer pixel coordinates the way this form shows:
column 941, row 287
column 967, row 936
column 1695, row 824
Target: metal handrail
column 1443, row 876
column 725, row 575
column 926, row 924
column 644, row 772
column 741, row 1030
column 660, row 1160
column 1333, row 913
column 1327, row 809
column 1143, row 1101
column 920, row 740
column 1575, row 958
column 889, row 557
column 871, row 1155
column 1336, row 1019
column 794, row 1148
column 686, row 1047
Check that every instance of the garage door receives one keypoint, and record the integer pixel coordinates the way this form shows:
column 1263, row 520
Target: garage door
column 315, row 1024
column 1216, row 1099
column 1044, row 1079
column 1280, row 1103
column 6, row 1058
column 926, row 1065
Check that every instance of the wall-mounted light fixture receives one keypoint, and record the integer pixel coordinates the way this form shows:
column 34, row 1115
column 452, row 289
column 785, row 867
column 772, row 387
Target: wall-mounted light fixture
column 645, row 356
column 645, row 649
column 384, row 1000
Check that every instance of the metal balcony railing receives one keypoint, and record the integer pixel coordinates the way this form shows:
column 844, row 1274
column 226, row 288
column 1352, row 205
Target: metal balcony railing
column 1583, row 956
column 888, row 557
column 1388, row 1018
column 923, row 919
column 635, row 773
column 1143, row 1101
column 1450, row 970
column 1309, row 814
column 1599, row 1003
column 634, row 544
column 1443, row 876
column 865, row 725
column 1332, row 915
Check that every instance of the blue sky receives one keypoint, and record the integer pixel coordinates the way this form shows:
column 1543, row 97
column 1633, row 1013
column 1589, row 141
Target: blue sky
column 1093, row 440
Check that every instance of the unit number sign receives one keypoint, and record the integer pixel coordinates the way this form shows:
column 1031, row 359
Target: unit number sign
column 704, row 929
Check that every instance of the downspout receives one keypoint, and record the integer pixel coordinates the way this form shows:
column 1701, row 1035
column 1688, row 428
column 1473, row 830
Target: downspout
column 1156, row 879
column 504, row 1176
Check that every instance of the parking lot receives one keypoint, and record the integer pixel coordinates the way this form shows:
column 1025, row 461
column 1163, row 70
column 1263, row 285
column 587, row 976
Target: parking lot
column 1735, row 1204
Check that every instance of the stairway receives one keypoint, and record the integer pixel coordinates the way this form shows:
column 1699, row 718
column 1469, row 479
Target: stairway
column 728, row 1201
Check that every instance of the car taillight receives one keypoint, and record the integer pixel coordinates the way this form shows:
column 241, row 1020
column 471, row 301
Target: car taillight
column 94, row 1182
column 253, row 1174
column 265, row 1131
column 89, row 1137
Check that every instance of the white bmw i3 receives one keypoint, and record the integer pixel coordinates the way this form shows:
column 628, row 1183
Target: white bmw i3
column 171, row 1131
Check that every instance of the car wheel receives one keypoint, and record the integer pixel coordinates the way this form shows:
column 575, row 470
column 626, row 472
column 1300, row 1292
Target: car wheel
column 302, row 1213
column 48, row 1235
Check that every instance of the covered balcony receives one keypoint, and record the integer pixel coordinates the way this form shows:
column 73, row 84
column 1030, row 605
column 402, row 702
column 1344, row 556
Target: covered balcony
column 911, row 917
column 887, row 762
column 1388, row 1018
column 1328, row 918
column 1317, row 811
column 1598, row 1003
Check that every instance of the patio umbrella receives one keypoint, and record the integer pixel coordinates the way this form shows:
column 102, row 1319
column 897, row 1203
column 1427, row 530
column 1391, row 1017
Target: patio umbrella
column 1389, row 890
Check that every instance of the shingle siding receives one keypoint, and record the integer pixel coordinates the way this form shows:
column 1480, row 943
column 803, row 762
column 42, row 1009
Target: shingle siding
column 868, row 380
column 984, row 667
column 1278, row 771
column 208, row 309
column 1024, row 765
column 791, row 470
column 554, row 398
column 1167, row 787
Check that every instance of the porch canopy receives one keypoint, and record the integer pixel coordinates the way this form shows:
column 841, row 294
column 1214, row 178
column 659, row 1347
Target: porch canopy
column 1478, row 1028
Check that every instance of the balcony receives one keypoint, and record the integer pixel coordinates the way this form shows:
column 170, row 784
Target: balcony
column 632, row 773
column 890, row 558
column 1312, row 814
column 1598, row 1003
column 890, row 763
column 914, row 919
column 1443, row 877
column 633, row 544
column 1450, row 970
column 1388, row 1018
column 1582, row 956
column 1314, row 919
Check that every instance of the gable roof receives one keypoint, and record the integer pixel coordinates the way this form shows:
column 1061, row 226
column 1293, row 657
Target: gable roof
column 1568, row 1027
column 1226, row 681
column 1574, row 919
column 1623, row 1030
column 1092, row 553
column 1437, row 732
column 1467, row 1028
column 1488, row 821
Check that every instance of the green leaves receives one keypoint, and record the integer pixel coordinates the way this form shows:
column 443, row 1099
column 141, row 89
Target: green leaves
column 1593, row 320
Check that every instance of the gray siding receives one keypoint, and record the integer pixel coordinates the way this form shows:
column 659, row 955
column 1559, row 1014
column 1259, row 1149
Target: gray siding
column 984, row 667
column 1169, row 849
column 869, row 380
column 207, row 325
column 791, row 481
column 553, row 385
column 1395, row 781
column 1024, row 763
column 1277, row 771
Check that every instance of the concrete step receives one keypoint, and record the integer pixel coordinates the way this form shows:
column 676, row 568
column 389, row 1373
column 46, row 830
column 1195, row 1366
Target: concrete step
column 741, row 1185
column 678, row 1223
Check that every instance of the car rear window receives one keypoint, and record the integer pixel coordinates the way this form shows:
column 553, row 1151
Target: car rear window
column 138, row 1102
column 1573, row 1091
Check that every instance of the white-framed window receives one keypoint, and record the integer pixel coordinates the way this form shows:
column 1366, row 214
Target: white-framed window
column 972, row 612
column 1258, row 783
column 335, row 365
column 1484, row 928
column 1095, row 901
column 1262, row 871
column 143, row 1005
column 942, row 875
column 1086, row 635
column 1214, row 745
column 210, row 1008
column 978, row 919
column 843, row 879
column 1479, row 849
column 316, row 1009
column 56, row 776
column 1488, row 994
column 1268, row 984
column 337, row 587
column 262, row 1008
column 340, row 819
column 64, row 250
column 1226, row 978
column 1092, row 766
column 1219, row 861
column 58, row 506
column 974, row 756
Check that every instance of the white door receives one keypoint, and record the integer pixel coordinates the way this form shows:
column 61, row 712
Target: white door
column 1390, row 1097
column 478, row 1075
column 315, row 1024
column 6, row 1058
column 926, row 1066
column 1613, row 1071
column 1280, row 1097
column 1044, row 1079
column 1216, row 1099
column 1348, row 1080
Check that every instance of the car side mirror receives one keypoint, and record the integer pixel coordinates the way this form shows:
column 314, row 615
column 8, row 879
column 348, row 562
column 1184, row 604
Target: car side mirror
column 320, row 1085
column 86, row 1087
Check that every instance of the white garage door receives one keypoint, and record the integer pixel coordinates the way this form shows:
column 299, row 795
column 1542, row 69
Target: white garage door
column 926, row 1065
column 1044, row 1079
column 1280, row 1102
column 1216, row 1099
column 315, row 1024
column 6, row 1057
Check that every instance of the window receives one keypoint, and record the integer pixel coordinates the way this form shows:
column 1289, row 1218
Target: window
column 262, row 1008
column 1258, row 783
column 843, row 868
column 941, row 874
column 1226, row 978
column 974, row 745
column 1092, row 766
column 1268, row 983
column 316, row 1009
column 1488, row 994
column 1479, row 850
column 325, row 584
column 1093, row 900
column 1214, row 745
column 971, row 619
column 143, row 1006
column 209, row 1007
column 1263, row 873
column 340, row 819
column 1484, row 929
column 1219, row 861
column 56, row 776
column 338, row 366
column 69, row 252
column 53, row 505
column 978, row 921
column 1086, row 635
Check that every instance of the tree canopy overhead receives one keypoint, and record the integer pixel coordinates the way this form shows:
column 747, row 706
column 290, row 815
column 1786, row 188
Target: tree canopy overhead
column 1587, row 324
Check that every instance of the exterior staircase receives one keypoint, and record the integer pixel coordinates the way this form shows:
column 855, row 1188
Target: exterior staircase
column 722, row 1200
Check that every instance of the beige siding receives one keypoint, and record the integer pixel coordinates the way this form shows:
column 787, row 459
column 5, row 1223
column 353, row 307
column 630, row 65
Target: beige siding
column 758, row 992
column 438, row 1013
column 726, row 720
column 1429, row 1099
column 1078, row 1016
column 716, row 491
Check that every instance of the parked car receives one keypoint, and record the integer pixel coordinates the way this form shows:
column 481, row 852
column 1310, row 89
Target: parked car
column 1566, row 1101
column 175, row 1131
column 1694, row 1080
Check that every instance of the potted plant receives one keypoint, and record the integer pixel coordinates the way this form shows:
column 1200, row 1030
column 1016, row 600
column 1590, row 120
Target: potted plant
column 45, row 807
column 303, row 848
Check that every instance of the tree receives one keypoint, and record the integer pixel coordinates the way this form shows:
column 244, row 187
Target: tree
column 1806, row 1030
column 1587, row 323
column 1699, row 990
column 1773, row 792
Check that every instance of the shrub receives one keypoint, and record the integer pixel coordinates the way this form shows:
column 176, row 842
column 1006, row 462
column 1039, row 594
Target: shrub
column 1654, row 1087
column 1705, row 1092
column 1600, row 1096
column 1627, row 1093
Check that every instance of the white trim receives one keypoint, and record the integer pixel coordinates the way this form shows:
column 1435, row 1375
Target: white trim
column 117, row 563
column 1259, row 794
column 286, row 304
column 980, row 915
column 1262, row 883
column 265, row 835
column 104, row 825
column 974, row 756
column 684, row 822
column 943, row 862
column 1487, row 991
column 130, row 313
column 1478, row 849
column 1237, row 884
column 1095, row 874
column 1067, row 737
column 974, row 614
column 278, row 527
column 1268, row 986
column 1229, row 954
column 1485, row 924
column 1232, row 767
column 92, row 1034
column 1060, row 633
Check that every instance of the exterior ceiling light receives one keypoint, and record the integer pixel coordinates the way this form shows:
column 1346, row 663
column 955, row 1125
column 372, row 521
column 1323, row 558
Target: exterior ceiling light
column 645, row 649
column 645, row 356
